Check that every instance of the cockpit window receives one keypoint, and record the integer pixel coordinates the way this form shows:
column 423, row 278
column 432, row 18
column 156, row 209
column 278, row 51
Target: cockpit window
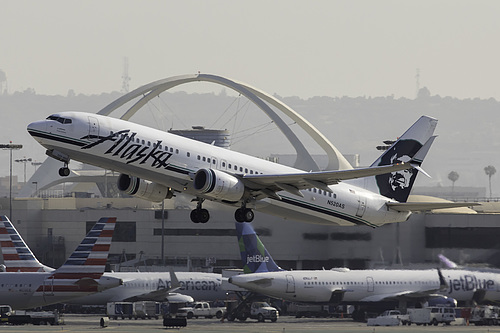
column 59, row 119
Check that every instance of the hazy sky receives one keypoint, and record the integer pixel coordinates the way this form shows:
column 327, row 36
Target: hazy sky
column 292, row 48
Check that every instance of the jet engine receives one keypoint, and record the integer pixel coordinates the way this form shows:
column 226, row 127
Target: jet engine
column 219, row 185
column 143, row 189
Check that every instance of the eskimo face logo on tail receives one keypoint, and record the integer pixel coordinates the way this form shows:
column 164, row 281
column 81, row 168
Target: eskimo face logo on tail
column 397, row 185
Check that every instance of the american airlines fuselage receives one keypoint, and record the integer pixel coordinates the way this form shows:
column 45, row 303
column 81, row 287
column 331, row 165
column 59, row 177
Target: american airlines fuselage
column 141, row 285
column 170, row 162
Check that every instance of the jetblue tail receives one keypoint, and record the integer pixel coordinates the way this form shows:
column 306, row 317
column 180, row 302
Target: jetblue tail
column 254, row 255
column 17, row 257
column 412, row 147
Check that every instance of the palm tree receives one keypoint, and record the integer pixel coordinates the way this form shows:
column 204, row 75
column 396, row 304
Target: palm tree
column 490, row 171
column 453, row 176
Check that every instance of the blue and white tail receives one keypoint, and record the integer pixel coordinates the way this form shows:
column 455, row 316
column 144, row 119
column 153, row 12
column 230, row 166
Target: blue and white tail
column 254, row 255
column 17, row 257
column 412, row 146
column 81, row 273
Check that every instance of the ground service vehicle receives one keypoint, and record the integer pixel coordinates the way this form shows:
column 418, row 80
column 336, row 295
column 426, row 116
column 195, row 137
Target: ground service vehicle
column 389, row 318
column 122, row 310
column 20, row 317
column 485, row 315
column 257, row 310
column 201, row 309
column 146, row 309
column 432, row 315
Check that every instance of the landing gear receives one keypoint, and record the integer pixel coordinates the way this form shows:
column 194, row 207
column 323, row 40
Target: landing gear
column 244, row 214
column 200, row 215
column 64, row 171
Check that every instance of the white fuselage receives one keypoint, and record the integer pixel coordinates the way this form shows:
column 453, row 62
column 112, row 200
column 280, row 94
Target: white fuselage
column 137, row 286
column 25, row 290
column 318, row 286
column 370, row 285
column 172, row 160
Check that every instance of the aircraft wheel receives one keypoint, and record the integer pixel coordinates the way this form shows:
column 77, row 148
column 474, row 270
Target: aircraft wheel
column 64, row 172
column 203, row 216
column 194, row 216
column 239, row 216
column 248, row 215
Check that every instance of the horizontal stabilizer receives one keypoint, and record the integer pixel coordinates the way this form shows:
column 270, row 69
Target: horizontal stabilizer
column 425, row 206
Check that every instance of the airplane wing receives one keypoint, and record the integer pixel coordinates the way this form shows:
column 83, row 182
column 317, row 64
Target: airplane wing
column 424, row 206
column 395, row 296
column 269, row 184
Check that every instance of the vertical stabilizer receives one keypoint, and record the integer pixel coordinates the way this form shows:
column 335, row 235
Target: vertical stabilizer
column 17, row 256
column 254, row 255
column 82, row 271
column 417, row 139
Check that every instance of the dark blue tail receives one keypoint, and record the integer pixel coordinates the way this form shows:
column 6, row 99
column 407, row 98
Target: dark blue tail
column 254, row 255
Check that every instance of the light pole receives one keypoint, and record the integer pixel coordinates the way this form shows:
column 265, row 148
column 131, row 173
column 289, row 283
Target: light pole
column 24, row 160
column 11, row 147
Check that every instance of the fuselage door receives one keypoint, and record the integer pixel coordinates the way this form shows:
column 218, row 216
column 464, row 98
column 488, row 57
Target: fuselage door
column 48, row 287
column 290, row 284
column 370, row 284
column 361, row 206
column 93, row 128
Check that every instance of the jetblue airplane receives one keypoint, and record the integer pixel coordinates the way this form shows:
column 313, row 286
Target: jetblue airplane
column 137, row 286
column 264, row 276
column 81, row 274
column 155, row 164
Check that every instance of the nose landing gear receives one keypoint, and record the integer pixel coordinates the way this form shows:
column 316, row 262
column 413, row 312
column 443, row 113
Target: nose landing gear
column 64, row 171
column 244, row 214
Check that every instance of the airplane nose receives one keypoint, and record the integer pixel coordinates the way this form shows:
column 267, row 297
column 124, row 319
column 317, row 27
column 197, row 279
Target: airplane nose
column 37, row 127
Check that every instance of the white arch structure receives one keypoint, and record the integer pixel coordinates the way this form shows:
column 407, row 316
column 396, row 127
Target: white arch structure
column 336, row 161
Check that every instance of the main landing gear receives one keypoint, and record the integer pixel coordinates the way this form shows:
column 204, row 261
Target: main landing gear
column 64, row 171
column 244, row 214
column 201, row 215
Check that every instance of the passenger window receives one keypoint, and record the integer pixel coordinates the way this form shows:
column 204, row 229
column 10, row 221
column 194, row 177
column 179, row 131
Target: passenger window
column 208, row 160
column 246, row 170
column 188, row 154
column 223, row 164
column 199, row 157
column 177, row 151
column 204, row 159
column 143, row 142
column 149, row 143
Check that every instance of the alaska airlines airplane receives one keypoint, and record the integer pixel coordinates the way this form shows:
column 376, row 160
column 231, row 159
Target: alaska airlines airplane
column 357, row 286
column 81, row 274
column 137, row 286
column 155, row 164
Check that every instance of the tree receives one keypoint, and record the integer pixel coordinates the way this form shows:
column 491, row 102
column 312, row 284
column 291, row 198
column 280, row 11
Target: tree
column 490, row 171
column 453, row 176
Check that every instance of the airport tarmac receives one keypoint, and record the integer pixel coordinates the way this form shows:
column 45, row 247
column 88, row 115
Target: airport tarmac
column 89, row 323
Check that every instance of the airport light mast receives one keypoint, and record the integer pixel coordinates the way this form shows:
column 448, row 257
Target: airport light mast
column 10, row 146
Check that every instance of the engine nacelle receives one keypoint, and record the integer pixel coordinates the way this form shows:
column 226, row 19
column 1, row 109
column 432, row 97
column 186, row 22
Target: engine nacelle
column 143, row 189
column 219, row 185
column 179, row 298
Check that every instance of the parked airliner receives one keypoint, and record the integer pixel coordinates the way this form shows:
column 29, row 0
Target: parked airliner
column 355, row 286
column 157, row 286
column 155, row 164
column 81, row 274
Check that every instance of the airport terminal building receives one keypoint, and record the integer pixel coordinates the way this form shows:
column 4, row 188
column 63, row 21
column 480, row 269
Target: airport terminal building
column 53, row 225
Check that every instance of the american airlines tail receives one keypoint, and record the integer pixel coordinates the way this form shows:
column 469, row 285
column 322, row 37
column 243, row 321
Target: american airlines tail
column 253, row 253
column 17, row 257
column 412, row 147
column 82, row 272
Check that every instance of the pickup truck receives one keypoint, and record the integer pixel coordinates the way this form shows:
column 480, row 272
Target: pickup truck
column 257, row 310
column 201, row 309
column 389, row 318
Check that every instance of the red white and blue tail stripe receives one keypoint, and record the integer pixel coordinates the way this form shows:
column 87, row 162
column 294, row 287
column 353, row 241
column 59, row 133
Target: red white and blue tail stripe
column 82, row 271
column 17, row 257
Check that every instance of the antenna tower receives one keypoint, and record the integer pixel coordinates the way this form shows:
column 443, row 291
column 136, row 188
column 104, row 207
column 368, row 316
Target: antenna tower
column 125, row 77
